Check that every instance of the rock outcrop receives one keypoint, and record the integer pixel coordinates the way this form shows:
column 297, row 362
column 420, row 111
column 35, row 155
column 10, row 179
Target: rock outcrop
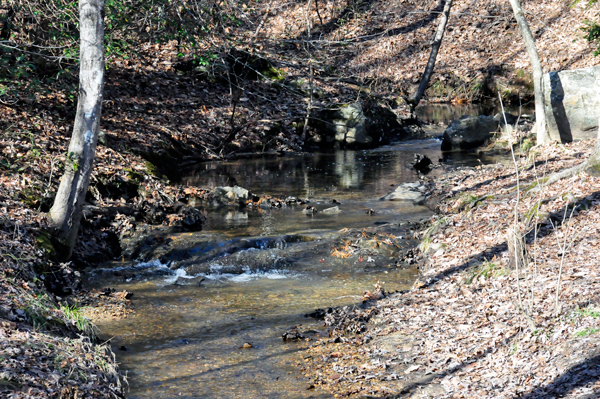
column 572, row 103
column 360, row 125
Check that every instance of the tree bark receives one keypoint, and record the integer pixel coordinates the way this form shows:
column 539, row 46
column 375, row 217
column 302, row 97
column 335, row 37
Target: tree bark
column 66, row 211
column 415, row 99
column 538, row 74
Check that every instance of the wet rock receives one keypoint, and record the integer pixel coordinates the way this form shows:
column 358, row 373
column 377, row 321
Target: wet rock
column 309, row 210
column 341, row 320
column 408, row 192
column 225, row 195
column 293, row 334
column 331, row 211
column 292, row 201
column 192, row 219
column 422, row 163
column 377, row 294
column 468, row 132
column 506, row 118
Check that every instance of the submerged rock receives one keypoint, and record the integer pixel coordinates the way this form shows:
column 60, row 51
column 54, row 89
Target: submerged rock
column 293, row 334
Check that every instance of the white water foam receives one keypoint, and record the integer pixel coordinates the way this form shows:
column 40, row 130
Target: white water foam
column 155, row 264
column 247, row 275
column 178, row 273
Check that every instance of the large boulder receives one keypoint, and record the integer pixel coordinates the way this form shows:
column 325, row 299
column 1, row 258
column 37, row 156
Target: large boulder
column 469, row 132
column 572, row 100
column 358, row 125
column 350, row 125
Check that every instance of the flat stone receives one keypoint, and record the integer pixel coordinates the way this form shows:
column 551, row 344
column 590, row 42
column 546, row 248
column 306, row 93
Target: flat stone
column 406, row 194
column 332, row 210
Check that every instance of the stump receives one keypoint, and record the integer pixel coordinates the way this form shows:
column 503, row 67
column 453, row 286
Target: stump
column 517, row 250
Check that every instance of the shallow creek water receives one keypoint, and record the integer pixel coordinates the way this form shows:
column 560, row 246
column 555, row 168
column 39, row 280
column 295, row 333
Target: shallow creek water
column 252, row 274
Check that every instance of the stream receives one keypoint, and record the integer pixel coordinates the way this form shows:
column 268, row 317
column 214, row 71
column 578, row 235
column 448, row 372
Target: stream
column 209, row 322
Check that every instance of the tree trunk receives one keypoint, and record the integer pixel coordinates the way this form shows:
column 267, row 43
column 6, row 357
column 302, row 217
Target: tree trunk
column 66, row 211
column 538, row 74
column 415, row 99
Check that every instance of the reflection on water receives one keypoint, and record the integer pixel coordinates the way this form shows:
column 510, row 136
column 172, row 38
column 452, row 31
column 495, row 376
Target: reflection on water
column 446, row 113
column 357, row 179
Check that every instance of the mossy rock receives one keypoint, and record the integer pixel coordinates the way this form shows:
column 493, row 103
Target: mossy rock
column 273, row 73
column 44, row 242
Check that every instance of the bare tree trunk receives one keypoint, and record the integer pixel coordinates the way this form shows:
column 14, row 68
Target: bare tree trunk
column 415, row 99
column 67, row 209
column 538, row 74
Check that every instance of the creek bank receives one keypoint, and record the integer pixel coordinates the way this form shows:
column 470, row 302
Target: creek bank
column 461, row 331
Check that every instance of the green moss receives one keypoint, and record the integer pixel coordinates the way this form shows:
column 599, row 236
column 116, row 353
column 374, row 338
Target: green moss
column 134, row 176
column 586, row 332
column 527, row 145
column 44, row 242
column 273, row 73
column 153, row 170
column 487, row 270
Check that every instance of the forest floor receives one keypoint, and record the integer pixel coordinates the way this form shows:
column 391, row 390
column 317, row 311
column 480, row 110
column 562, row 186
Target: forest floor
column 473, row 325
column 160, row 115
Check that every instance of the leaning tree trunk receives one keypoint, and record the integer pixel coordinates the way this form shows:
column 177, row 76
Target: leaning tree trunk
column 538, row 74
column 415, row 99
column 66, row 212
